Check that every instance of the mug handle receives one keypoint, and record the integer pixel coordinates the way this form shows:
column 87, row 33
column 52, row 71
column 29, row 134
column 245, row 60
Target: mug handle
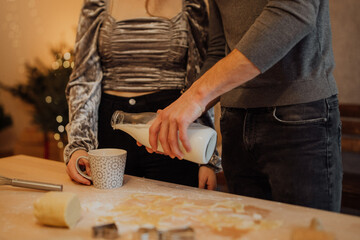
column 79, row 170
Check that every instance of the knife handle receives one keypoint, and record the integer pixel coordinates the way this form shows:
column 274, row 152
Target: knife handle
column 36, row 185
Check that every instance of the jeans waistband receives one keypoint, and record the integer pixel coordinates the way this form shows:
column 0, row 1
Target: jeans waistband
column 330, row 100
column 152, row 97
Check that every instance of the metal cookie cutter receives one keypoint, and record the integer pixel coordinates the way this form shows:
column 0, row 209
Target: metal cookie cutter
column 173, row 234
column 179, row 234
column 106, row 231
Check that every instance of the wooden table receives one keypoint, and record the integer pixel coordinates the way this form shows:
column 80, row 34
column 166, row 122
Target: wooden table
column 17, row 220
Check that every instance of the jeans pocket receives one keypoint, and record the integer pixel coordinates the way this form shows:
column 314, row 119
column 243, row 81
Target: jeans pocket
column 300, row 114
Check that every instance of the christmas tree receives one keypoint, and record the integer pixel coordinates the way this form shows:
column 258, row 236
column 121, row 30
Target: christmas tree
column 5, row 120
column 45, row 91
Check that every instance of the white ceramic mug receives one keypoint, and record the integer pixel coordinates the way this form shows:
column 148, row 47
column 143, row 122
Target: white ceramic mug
column 107, row 167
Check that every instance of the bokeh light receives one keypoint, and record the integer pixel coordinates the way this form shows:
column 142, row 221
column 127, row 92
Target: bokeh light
column 59, row 119
column 48, row 99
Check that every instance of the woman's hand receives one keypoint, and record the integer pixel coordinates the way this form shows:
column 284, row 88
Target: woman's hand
column 207, row 178
column 71, row 167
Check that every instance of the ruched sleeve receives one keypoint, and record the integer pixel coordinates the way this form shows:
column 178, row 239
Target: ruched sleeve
column 83, row 91
column 216, row 42
column 197, row 17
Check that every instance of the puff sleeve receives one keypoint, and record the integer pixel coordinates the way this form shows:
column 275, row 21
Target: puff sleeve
column 197, row 18
column 83, row 91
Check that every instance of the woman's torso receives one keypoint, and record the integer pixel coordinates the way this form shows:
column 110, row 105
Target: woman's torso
column 143, row 54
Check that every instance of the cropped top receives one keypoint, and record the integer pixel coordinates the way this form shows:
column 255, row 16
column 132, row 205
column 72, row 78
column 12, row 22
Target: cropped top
column 169, row 53
column 143, row 54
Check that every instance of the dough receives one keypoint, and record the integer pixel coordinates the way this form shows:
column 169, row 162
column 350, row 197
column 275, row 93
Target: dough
column 313, row 232
column 60, row 209
column 228, row 218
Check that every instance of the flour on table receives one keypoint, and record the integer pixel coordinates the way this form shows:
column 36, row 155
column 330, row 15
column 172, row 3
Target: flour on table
column 225, row 218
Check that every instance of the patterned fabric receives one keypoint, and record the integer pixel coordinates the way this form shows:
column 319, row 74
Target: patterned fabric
column 85, row 85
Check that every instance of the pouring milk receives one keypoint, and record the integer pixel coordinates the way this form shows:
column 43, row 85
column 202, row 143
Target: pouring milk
column 202, row 138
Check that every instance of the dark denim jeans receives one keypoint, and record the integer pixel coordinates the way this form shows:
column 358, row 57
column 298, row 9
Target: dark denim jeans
column 290, row 154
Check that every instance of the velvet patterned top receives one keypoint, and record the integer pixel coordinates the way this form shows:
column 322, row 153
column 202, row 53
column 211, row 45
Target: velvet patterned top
column 143, row 54
column 135, row 55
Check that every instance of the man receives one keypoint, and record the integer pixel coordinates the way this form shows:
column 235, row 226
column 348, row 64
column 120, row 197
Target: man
column 280, row 120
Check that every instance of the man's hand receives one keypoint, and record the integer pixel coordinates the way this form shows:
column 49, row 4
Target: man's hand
column 207, row 178
column 71, row 168
column 171, row 124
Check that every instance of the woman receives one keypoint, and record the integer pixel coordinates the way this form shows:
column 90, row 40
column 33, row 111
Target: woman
column 135, row 56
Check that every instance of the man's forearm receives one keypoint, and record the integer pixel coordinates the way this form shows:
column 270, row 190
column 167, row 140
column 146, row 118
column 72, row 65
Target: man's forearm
column 230, row 72
column 172, row 122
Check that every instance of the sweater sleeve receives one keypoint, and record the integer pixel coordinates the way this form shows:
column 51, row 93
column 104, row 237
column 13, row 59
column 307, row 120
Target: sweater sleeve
column 83, row 91
column 280, row 26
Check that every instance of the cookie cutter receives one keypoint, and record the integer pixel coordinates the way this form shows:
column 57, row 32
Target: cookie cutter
column 186, row 233
column 106, row 231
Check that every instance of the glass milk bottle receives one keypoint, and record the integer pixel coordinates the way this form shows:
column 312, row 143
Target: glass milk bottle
column 202, row 138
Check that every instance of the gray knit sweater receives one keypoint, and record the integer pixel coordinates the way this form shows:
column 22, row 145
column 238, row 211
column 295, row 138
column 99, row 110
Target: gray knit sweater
column 288, row 40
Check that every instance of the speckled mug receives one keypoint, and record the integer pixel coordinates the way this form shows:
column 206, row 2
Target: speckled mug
column 107, row 167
